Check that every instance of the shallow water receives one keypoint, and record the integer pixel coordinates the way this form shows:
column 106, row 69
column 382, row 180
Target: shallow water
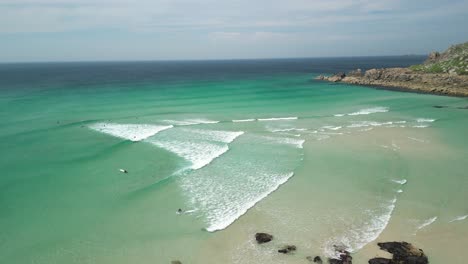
column 240, row 146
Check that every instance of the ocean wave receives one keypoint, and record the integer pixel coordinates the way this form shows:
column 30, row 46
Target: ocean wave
column 286, row 141
column 427, row 222
column 402, row 181
column 339, row 115
column 198, row 154
column 278, row 118
column 274, row 130
column 189, row 122
column 459, row 218
column 216, row 135
column 197, row 146
column 356, row 238
column 243, row 120
column 133, row 132
column 420, row 126
column 332, row 127
column 226, row 216
column 358, row 124
column 425, row 120
column 368, row 111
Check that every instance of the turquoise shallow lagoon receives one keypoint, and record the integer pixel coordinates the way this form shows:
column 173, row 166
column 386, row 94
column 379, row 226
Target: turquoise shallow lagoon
column 240, row 147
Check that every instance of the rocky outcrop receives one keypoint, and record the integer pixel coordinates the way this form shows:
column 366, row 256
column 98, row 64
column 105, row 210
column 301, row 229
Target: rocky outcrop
column 287, row 249
column 263, row 238
column 403, row 253
column 406, row 79
column 442, row 73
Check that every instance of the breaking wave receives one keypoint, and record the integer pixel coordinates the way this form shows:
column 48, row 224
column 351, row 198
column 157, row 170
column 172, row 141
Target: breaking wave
column 133, row 132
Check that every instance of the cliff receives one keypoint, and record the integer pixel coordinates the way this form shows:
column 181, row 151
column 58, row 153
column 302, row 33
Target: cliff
column 442, row 73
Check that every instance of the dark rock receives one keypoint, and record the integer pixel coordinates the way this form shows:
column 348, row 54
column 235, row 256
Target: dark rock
column 317, row 259
column 263, row 237
column 176, row 262
column 345, row 257
column 380, row 261
column 403, row 253
column 287, row 249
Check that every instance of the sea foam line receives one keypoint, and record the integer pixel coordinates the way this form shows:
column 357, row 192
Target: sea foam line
column 243, row 120
column 189, row 122
column 459, row 218
column 402, row 181
column 370, row 231
column 220, row 225
column 278, row 118
column 427, row 222
column 425, row 120
column 368, row 111
column 133, row 132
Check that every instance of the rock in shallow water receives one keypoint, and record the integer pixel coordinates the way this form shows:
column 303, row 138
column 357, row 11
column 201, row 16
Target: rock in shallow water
column 263, row 238
column 287, row 249
column 403, row 253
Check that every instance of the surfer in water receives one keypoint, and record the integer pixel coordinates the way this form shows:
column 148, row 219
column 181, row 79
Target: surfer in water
column 179, row 211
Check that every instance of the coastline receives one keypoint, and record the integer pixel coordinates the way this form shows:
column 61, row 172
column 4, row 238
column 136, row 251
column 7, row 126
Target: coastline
column 405, row 80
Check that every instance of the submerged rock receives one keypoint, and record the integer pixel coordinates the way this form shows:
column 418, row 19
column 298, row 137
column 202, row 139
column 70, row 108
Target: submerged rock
column 287, row 249
column 345, row 257
column 403, row 253
column 440, row 106
column 263, row 238
column 380, row 261
column 317, row 259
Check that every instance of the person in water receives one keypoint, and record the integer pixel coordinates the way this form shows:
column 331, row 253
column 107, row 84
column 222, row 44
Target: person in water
column 179, row 211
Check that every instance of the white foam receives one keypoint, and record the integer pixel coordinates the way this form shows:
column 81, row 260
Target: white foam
column 189, row 122
column 278, row 118
column 418, row 139
column 197, row 146
column 427, row 222
column 358, row 124
column 216, row 135
column 332, row 127
column 368, row 111
column 425, row 120
column 402, row 182
column 357, row 238
column 339, row 115
column 226, row 217
column 243, row 120
column 133, row 132
column 199, row 154
column 286, row 141
column 399, row 191
column 420, row 126
column 274, row 130
column 459, row 218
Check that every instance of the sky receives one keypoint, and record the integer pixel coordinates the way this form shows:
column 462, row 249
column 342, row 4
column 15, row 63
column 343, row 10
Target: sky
column 109, row 30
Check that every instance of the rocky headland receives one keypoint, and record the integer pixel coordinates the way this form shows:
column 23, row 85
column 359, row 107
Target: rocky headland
column 442, row 73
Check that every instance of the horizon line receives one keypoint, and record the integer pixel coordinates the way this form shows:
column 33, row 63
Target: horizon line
column 201, row 60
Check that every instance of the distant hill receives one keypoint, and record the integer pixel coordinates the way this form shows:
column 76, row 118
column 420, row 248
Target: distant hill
column 453, row 61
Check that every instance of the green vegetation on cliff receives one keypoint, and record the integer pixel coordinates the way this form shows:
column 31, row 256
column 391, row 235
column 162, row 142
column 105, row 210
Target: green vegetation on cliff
column 454, row 61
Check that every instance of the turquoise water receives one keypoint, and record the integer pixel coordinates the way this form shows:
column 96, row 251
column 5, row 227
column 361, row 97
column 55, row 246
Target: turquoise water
column 240, row 146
